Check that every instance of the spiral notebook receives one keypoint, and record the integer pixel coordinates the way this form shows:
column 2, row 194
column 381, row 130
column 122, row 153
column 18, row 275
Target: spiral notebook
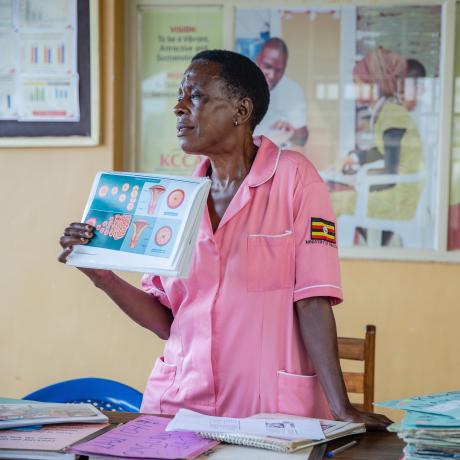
column 283, row 445
column 231, row 430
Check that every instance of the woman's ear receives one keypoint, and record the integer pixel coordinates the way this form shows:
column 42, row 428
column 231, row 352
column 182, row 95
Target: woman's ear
column 245, row 109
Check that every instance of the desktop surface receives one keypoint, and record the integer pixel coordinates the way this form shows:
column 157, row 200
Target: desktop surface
column 375, row 445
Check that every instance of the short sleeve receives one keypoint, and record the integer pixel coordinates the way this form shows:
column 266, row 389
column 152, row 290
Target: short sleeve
column 316, row 254
column 152, row 285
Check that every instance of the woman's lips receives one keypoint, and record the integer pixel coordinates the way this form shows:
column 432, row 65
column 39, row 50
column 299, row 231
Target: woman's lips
column 183, row 130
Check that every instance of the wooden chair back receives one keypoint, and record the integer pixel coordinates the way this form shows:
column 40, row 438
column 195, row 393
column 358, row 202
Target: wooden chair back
column 360, row 350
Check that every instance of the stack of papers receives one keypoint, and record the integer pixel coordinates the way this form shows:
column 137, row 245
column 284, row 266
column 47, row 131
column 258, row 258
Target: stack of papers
column 278, row 432
column 19, row 415
column 49, row 442
column 143, row 223
column 431, row 426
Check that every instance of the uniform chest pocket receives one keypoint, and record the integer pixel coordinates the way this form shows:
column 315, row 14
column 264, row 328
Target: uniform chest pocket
column 270, row 263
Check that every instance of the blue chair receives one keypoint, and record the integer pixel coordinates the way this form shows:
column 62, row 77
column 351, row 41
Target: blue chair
column 105, row 394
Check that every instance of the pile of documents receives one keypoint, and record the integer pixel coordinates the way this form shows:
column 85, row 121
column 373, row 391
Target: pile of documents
column 43, row 431
column 431, row 426
column 277, row 432
column 25, row 414
column 143, row 223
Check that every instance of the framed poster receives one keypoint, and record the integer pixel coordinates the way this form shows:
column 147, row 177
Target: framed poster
column 49, row 78
column 363, row 89
column 453, row 240
column 357, row 90
column 168, row 38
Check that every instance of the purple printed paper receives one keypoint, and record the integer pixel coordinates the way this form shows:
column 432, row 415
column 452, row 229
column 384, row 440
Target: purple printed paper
column 143, row 438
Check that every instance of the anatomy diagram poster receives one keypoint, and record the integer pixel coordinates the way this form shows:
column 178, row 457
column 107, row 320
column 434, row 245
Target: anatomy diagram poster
column 138, row 214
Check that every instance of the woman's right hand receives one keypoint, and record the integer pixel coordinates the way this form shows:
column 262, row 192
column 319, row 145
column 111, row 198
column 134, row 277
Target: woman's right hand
column 75, row 233
column 140, row 306
column 81, row 233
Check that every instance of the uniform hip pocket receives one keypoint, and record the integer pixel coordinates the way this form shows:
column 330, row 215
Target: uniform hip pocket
column 160, row 381
column 270, row 262
column 301, row 395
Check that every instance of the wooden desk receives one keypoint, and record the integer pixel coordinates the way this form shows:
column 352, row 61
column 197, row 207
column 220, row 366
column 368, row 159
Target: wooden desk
column 371, row 446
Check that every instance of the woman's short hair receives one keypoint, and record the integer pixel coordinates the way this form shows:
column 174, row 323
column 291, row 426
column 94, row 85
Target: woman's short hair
column 242, row 78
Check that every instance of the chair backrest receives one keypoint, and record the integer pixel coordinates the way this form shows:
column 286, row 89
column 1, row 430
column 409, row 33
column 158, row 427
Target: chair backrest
column 360, row 350
column 105, row 394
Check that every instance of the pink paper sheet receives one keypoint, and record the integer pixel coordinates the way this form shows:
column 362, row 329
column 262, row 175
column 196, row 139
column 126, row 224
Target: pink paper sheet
column 143, row 438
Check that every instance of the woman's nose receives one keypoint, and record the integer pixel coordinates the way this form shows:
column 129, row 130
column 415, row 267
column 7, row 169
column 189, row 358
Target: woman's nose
column 179, row 108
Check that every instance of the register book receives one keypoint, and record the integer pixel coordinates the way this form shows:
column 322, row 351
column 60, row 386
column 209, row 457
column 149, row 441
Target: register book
column 143, row 223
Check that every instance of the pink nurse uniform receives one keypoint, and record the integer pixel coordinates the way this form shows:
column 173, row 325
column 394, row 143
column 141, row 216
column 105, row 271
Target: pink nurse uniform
column 235, row 348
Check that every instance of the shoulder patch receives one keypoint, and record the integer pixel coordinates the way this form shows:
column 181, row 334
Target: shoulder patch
column 322, row 230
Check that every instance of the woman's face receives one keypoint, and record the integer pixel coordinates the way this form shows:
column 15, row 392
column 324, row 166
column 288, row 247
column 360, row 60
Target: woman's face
column 205, row 115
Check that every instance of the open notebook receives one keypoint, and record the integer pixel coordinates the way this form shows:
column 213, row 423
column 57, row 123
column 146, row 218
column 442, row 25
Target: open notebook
column 288, row 424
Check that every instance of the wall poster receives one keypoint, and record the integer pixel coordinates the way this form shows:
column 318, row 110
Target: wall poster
column 170, row 36
column 38, row 71
column 356, row 90
column 453, row 239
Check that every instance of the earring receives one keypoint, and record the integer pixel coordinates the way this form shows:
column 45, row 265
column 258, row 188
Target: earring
column 235, row 123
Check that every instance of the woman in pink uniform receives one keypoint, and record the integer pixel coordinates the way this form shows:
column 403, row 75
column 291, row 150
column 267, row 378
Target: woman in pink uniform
column 251, row 330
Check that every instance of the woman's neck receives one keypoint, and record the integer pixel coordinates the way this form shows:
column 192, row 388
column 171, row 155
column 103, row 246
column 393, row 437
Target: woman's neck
column 232, row 167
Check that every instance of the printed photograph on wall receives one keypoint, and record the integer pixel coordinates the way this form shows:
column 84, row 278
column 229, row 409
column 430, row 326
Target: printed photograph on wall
column 453, row 240
column 169, row 38
column 356, row 90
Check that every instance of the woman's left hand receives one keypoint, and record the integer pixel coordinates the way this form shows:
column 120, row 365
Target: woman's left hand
column 373, row 421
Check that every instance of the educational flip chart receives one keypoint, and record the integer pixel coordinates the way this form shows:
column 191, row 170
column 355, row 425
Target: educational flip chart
column 146, row 223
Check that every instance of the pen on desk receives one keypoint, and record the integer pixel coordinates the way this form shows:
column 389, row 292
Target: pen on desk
column 332, row 453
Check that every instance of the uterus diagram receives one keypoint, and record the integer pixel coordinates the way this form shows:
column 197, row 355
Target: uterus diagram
column 155, row 193
column 139, row 227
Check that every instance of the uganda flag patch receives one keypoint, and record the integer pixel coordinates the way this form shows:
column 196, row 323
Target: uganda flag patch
column 322, row 230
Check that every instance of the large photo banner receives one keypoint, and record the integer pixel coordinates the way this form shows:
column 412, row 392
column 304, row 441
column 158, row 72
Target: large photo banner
column 169, row 38
column 356, row 90
column 454, row 199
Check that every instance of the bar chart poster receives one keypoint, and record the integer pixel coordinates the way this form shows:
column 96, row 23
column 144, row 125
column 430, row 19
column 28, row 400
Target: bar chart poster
column 8, row 60
column 47, row 53
column 38, row 68
column 170, row 37
column 44, row 14
column 49, row 99
column 7, row 98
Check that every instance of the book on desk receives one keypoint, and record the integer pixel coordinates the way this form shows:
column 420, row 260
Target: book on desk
column 276, row 432
column 147, row 437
